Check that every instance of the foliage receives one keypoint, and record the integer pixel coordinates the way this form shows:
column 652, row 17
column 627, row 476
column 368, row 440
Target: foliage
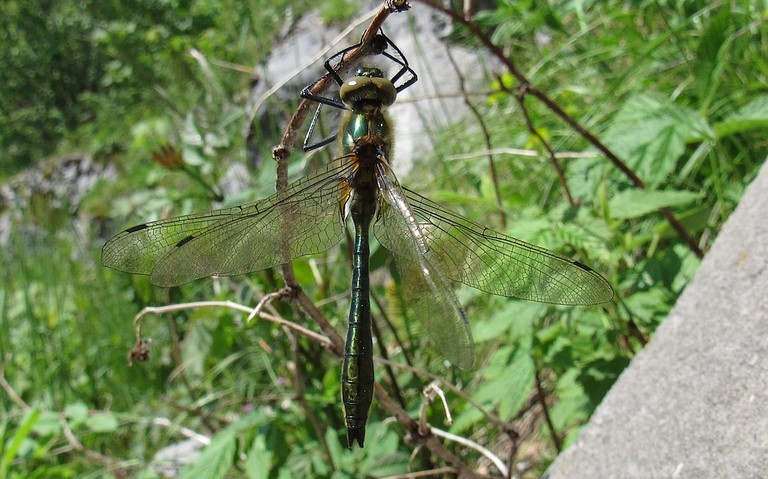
column 77, row 73
column 663, row 85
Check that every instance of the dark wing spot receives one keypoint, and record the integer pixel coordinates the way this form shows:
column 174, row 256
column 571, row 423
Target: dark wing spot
column 583, row 266
column 136, row 228
column 185, row 241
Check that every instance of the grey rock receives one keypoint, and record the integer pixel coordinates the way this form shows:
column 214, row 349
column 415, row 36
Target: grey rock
column 694, row 402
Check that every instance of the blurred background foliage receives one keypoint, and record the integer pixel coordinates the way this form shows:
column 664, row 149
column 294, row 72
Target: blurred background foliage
column 678, row 89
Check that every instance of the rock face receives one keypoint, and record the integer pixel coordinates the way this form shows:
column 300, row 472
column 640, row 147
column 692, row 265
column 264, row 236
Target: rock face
column 430, row 103
column 693, row 403
column 61, row 183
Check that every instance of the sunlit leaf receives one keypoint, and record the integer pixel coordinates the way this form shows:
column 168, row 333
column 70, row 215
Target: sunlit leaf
column 635, row 202
column 216, row 459
column 102, row 422
column 650, row 133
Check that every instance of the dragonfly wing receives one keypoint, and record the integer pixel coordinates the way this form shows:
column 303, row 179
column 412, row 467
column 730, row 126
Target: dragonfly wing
column 502, row 265
column 426, row 288
column 303, row 219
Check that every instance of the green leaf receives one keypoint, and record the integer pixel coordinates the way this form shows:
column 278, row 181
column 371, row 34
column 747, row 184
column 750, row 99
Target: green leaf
column 102, row 422
column 216, row 459
column 76, row 412
column 466, row 419
column 572, row 404
column 598, row 376
column 510, row 377
column 48, row 424
column 710, row 56
column 751, row 117
column 219, row 456
column 12, row 447
column 196, row 347
column 635, row 203
column 650, row 133
column 259, row 461
column 514, row 317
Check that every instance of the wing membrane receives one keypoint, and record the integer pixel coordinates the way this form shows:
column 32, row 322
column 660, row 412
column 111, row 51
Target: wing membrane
column 425, row 287
column 304, row 219
column 502, row 265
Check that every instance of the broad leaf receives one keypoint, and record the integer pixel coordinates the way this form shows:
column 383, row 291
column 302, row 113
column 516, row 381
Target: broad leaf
column 635, row 203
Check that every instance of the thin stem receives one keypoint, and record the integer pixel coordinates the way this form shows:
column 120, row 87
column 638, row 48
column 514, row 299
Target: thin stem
column 390, row 373
column 550, row 152
column 545, row 409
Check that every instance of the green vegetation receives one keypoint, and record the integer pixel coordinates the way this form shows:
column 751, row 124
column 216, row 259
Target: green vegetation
column 678, row 90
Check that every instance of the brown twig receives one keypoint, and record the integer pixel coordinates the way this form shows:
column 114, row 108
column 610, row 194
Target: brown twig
column 423, row 437
column 388, row 368
column 301, row 398
column 542, row 396
column 550, row 152
column 529, row 88
column 393, row 330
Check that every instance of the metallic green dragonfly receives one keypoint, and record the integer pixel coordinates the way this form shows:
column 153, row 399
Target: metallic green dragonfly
column 431, row 245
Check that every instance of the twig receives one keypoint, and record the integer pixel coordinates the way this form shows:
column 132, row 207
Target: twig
column 186, row 432
column 428, row 440
column 438, row 472
column 251, row 113
column 7, row 386
column 390, row 373
column 323, row 340
column 518, row 152
column 498, row 422
column 550, row 152
column 543, row 401
column 473, row 445
column 301, row 398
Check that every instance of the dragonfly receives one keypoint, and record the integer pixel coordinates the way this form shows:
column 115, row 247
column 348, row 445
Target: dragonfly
column 432, row 246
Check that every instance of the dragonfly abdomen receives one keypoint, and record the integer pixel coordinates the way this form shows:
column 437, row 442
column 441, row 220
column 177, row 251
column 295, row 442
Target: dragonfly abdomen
column 357, row 370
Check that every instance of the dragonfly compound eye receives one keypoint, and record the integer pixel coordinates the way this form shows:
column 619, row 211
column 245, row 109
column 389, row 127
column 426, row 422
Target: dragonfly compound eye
column 361, row 88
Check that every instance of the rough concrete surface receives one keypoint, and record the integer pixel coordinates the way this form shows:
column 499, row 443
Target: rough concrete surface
column 694, row 402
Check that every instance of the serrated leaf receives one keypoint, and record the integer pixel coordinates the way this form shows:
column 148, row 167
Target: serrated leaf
column 634, row 203
column 509, row 379
column 466, row 419
column 102, row 422
column 650, row 133
column 215, row 460
column 259, row 461
column 572, row 403
column 219, row 456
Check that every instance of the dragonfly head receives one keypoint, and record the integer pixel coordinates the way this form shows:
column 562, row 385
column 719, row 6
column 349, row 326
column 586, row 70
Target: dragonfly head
column 368, row 84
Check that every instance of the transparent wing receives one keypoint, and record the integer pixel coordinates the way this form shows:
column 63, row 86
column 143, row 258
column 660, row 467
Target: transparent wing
column 304, row 219
column 426, row 288
column 502, row 265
